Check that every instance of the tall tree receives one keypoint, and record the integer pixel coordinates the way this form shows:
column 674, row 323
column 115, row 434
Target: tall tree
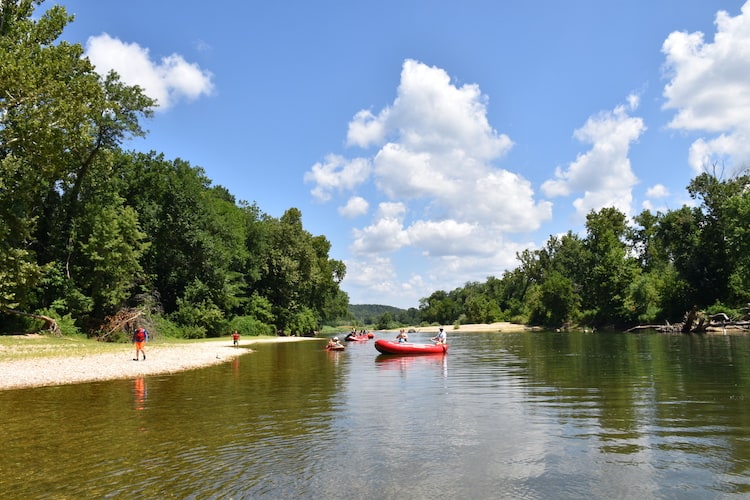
column 296, row 273
column 611, row 269
column 57, row 118
column 737, row 212
column 712, row 263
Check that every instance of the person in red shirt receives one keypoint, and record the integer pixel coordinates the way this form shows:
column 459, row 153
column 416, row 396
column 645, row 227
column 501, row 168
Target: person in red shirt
column 140, row 337
column 235, row 338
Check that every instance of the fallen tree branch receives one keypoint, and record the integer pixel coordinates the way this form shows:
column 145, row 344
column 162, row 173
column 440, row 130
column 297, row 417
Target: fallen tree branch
column 121, row 321
column 50, row 324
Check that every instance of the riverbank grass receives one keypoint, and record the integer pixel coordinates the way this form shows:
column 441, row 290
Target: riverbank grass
column 35, row 346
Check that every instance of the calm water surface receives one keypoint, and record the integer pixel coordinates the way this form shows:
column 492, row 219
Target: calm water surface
column 527, row 415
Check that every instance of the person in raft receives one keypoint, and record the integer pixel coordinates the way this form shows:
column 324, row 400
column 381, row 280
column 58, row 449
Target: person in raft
column 140, row 337
column 235, row 338
column 402, row 336
column 440, row 338
column 334, row 342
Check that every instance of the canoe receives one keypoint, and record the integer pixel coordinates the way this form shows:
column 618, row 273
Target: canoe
column 393, row 347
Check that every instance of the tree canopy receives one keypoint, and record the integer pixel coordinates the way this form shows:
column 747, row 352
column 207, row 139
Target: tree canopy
column 89, row 229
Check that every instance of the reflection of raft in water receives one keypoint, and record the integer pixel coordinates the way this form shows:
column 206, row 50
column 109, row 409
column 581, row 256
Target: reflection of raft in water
column 393, row 347
column 401, row 362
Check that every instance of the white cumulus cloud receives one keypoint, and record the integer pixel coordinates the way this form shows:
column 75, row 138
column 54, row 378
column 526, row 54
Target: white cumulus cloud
column 709, row 89
column 337, row 174
column 603, row 174
column 355, row 206
column 168, row 80
column 657, row 191
column 431, row 158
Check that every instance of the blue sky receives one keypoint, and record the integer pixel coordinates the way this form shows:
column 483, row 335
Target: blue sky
column 432, row 140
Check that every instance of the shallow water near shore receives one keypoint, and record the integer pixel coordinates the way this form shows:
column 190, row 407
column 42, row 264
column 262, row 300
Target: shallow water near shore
column 532, row 415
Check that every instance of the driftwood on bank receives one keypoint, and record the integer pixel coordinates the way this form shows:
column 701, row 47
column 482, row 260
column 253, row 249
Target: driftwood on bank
column 698, row 322
column 50, row 324
column 122, row 321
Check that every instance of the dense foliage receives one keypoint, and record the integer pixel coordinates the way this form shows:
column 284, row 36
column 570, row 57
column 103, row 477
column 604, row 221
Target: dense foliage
column 622, row 273
column 89, row 229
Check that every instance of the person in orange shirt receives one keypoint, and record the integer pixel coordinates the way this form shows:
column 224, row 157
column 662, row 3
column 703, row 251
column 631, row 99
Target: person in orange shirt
column 140, row 337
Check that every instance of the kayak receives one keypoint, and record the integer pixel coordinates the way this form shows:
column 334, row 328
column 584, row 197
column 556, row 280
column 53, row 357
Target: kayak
column 335, row 348
column 394, row 347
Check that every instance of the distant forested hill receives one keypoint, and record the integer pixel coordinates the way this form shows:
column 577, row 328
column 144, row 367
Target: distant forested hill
column 369, row 314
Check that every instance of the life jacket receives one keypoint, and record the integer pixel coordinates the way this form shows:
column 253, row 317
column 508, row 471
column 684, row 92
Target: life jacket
column 139, row 335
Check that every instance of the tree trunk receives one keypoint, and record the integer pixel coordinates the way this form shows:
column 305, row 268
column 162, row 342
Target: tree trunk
column 50, row 324
column 689, row 320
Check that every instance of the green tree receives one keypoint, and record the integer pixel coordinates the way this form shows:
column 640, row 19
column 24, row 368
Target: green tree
column 58, row 118
column 439, row 307
column 110, row 265
column 197, row 232
column 610, row 269
column 479, row 308
column 737, row 210
column 295, row 271
column 716, row 270
column 384, row 321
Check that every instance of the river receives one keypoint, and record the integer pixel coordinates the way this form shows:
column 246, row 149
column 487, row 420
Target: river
column 533, row 415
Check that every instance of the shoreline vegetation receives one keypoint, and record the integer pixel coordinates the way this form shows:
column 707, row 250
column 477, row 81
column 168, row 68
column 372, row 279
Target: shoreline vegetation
column 38, row 361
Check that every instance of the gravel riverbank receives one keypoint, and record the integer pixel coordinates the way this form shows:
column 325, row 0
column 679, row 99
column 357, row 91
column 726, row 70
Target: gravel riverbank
column 72, row 369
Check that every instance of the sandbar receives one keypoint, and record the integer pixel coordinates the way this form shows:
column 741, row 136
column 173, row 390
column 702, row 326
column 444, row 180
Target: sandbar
column 119, row 364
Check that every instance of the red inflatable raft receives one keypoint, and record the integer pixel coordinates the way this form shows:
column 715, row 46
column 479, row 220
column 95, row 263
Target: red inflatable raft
column 357, row 338
column 394, row 347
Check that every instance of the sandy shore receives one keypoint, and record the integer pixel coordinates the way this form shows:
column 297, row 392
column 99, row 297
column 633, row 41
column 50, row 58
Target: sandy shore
column 46, row 371
column 500, row 327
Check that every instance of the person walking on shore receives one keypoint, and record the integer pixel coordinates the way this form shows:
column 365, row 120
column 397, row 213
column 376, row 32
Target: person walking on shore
column 236, row 338
column 140, row 337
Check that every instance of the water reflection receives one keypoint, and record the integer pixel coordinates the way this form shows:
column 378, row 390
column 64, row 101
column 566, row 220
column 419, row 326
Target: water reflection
column 404, row 363
column 535, row 415
column 139, row 394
